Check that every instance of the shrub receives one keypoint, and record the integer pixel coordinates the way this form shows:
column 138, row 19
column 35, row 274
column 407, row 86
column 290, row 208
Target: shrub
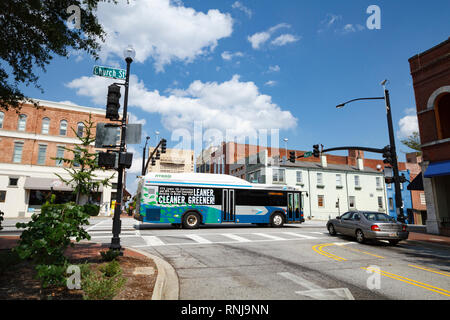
column 97, row 286
column 91, row 209
column 51, row 275
column 8, row 259
column 110, row 255
column 47, row 236
column 111, row 269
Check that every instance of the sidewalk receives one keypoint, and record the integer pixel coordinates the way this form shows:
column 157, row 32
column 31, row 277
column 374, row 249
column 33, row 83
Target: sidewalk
column 430, row 238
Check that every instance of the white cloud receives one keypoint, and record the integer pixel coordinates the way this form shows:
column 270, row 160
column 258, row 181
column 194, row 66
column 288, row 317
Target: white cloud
column 259, row 38
column 227, row 55
column 285, row 39
column 238, row 5
column 161, row 30
column 240, row 106
column 408, row 125
column 275, row 68
column 270, row 83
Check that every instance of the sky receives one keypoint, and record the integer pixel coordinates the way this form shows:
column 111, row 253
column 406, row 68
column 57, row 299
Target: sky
column 239, row 68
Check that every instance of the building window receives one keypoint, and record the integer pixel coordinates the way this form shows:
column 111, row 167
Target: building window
column 357, row 182
column 41, row 154
column 63, row 128
column 422, row 199
column 59, row 154
column 45, row 125
column 378, row 181
column 17, row 155
column 21, row 126
column 391, row 204
column 278, row 175
column 338, row 180
column 13, row 182
column 299, row 177
column 352, row 202
column 380, row 203
column 2, row 195
column 321, row 201
column 319, row 179
column 80, row 129
column 2, row 116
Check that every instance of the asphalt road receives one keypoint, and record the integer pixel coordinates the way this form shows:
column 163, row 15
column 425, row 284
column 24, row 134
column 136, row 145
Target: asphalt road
column 296, row 262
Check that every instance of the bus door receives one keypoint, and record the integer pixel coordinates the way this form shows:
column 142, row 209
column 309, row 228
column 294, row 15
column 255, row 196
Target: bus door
column 294, row 207
column 228, row 206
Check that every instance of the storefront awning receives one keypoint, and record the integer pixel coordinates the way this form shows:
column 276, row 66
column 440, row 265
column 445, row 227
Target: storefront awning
column 416, row 184
column 437, row 169
column 32, row 183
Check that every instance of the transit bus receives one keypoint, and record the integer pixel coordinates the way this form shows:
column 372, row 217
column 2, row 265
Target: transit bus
column 193, row 199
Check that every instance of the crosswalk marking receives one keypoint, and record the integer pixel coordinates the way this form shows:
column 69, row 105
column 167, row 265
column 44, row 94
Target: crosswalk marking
column 299, row 235
column 269, row 236
column 235, row 237
column 197, row 238
column 153, row 241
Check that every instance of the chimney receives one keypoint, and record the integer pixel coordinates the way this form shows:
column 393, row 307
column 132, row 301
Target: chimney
column 360, row 164
column 323, row 160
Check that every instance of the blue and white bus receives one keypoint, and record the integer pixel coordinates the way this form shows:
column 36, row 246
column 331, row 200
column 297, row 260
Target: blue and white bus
column 194, row 199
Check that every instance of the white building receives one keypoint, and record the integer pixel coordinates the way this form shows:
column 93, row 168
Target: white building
column 329, row 189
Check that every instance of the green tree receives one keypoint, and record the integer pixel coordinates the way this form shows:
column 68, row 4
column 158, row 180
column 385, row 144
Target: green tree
column 83, row 164
column 33, row 32
column 413, row 142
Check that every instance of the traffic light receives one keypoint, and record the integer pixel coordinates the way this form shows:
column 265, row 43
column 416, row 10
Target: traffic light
column 113, row 104
column 107, row 160
column 316, row 151
column 158, row 155
column 163, row 145
column 292, row 156
column 387, row 155
column 153, row 162
column 389, row 180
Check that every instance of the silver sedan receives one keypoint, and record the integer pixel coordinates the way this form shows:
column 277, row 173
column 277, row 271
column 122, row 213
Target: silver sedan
column 368, row 225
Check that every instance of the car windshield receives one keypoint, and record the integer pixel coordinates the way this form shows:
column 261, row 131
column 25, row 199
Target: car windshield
column 374, row 216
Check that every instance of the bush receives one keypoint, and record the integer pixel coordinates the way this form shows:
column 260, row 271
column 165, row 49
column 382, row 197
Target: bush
column 91, row 209
column 110, row 255
column 8, row 259
column 111, row 269
column 51, row 275
column 47, row 236
column 97, row 286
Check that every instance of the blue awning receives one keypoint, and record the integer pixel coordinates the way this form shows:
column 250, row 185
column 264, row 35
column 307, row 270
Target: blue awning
column 437, row 169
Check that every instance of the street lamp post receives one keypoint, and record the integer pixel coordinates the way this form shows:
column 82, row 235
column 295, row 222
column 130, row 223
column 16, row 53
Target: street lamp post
column 129, row 55
column 398, row 192
column 143, row 156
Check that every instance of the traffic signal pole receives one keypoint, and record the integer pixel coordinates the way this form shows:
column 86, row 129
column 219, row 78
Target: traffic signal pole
column 398, row 191
column 117, row 223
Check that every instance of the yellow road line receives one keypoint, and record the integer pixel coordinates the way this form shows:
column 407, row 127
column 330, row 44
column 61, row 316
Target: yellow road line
column 368, row 253
column 319, row 249
column 430, row 270
column 410, row 281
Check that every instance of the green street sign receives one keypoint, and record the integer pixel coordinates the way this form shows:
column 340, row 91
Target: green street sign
column 110, row 72
column 307, row 154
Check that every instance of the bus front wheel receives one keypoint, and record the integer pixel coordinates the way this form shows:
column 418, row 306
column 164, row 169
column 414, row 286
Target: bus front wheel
column 191, row 220
column 277, row 220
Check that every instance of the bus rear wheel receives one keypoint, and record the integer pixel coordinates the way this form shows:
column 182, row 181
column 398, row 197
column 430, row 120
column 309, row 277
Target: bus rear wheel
column 191, row 220
column 277, row 220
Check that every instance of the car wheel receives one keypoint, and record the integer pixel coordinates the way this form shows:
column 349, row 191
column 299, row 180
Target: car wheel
column 394, row 242
column 360, row 236
column 331, row 230
column 277, row 220
column 191, row 220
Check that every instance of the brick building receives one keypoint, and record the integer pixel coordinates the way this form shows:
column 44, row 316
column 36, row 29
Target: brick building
column 430, row 72
column 29, row 139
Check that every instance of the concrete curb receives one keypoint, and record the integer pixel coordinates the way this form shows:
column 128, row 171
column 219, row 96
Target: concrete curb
column 167, row 283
